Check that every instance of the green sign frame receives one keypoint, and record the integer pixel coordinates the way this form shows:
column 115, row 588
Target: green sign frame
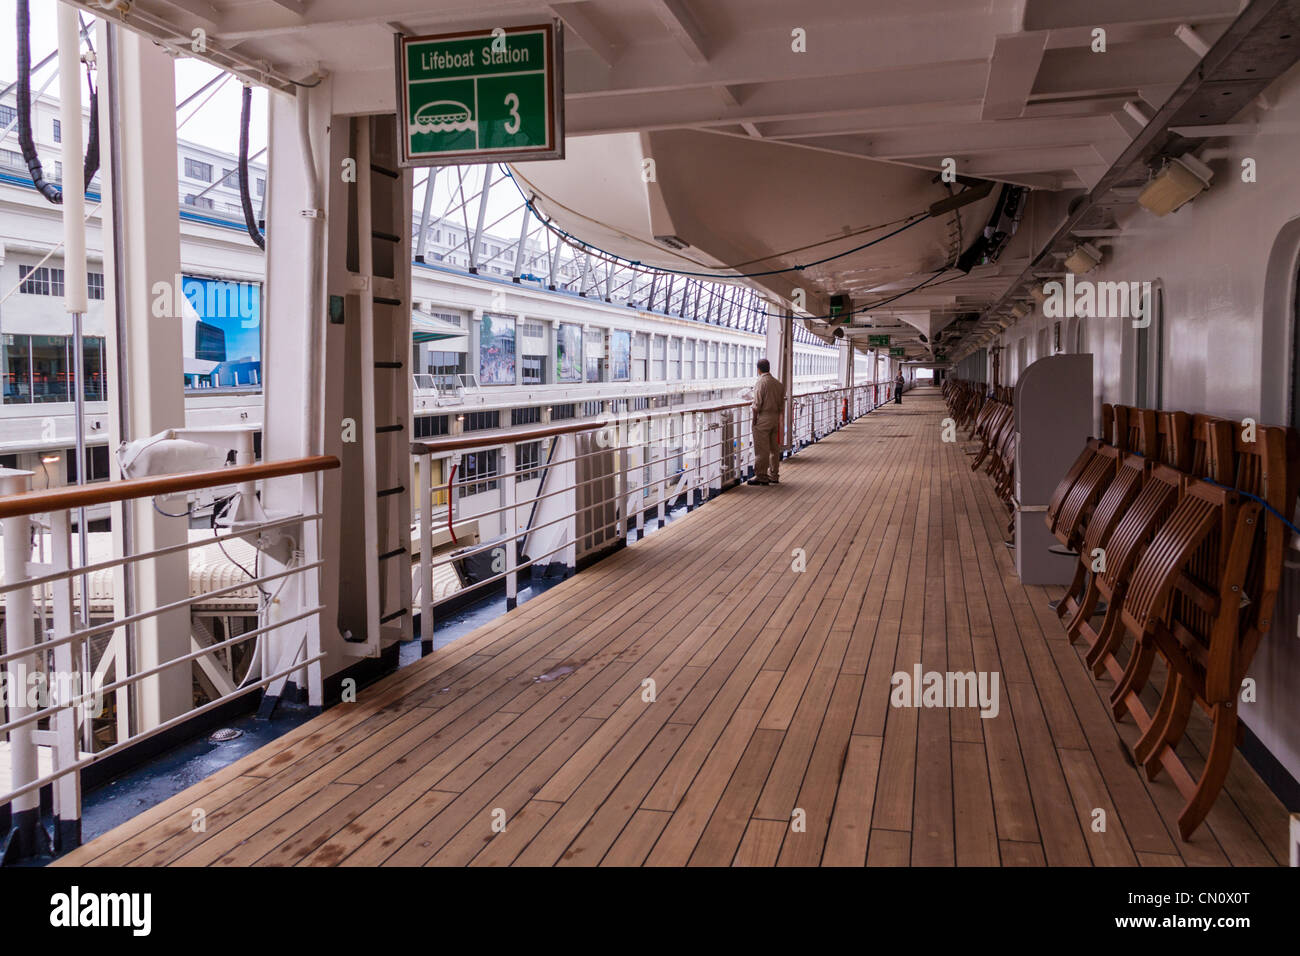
column 873, row 340
column 481, row 96
column 897, row 352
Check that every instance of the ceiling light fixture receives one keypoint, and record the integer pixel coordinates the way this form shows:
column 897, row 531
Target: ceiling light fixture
column 1084, row 258
column 1182, row 180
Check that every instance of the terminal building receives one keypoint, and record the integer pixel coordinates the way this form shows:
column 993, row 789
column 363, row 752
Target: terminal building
column 397, row 492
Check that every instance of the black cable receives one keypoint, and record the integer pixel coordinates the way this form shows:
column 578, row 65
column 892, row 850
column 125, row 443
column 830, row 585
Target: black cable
column 51, row 192
column 219, row 507
column 167, row 514
column 250, row 221
column 91, row 165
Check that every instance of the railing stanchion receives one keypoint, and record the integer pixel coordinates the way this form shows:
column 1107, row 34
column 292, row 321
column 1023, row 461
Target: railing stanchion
column 624, row 473
column 511, row 524
column 424, row 489
column 67, row 790
column 658, row 454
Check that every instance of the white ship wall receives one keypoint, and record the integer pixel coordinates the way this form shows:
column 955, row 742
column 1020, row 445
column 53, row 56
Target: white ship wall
column 1227, row 263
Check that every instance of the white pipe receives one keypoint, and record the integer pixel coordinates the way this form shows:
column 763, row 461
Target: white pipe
column 74, row 193
column 315, row 255
column 74, row 249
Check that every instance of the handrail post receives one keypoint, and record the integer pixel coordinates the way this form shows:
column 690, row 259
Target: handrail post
column 424, row 491
column 640, row 426
column 510, row 523
column 67, row 790
column 569, row 451
column 20, row 634
column 624, row 499
column 658, row 452
column 310, row 588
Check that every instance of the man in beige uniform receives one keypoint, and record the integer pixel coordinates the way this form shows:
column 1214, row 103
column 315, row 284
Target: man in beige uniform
column 769, row 399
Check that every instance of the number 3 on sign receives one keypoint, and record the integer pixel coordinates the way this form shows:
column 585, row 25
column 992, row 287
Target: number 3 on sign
column 512, row 124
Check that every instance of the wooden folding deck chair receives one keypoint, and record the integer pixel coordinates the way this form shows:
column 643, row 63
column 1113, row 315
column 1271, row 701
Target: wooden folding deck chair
column 1202, row 598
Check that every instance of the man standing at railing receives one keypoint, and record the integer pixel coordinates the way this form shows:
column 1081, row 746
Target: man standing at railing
column 898, row 388
column 769, row 397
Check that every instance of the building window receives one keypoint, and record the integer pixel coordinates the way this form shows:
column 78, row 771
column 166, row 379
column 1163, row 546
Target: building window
column 96, row 464
column 525, row 416
column 481, row 421
column 198, row 202
column 430, row 426
column 197, row 170
column 561, row 413
column 13, row 160
column 229, row 177
column 261, row 187
column 58, row 132
column 534, row 330
column 51, row 369
column 17, row 368
column 96, row 385
column 532, row 370
column 528, row 460
column 95, row 285
column 478, row 473
column 43, row 281
column 7, row 115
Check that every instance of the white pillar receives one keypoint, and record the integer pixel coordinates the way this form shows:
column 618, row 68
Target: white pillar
column 148, row 259
column 295, row 326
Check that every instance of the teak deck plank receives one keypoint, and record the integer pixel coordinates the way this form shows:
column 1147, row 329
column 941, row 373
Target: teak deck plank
column 773, row 704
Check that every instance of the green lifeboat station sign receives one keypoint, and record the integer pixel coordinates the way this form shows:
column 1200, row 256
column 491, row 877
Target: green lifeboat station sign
column 897, row 352
column 491, row 95
column 877, row 340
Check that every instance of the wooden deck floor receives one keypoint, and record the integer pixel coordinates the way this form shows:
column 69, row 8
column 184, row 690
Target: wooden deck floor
column 773, row 690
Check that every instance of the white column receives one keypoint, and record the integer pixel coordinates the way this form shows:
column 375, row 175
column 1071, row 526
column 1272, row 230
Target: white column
column 149, row 261
column 295, row 324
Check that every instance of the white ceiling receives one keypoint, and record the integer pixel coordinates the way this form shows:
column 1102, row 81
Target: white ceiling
column 1010, row 89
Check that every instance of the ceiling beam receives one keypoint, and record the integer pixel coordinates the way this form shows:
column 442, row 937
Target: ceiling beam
column 1016, row 59
column 681, row 23
column 678, row 108
column 578, row 21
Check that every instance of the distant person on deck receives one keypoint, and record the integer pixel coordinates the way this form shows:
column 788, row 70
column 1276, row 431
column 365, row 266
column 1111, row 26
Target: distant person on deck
column 769, row 399
column 898, row 388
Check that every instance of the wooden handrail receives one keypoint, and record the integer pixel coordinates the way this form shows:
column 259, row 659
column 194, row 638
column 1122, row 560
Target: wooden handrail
column 127, row 489
column 498, row 437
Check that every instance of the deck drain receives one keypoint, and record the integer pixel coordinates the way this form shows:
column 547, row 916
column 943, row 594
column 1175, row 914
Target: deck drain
column 224, row 734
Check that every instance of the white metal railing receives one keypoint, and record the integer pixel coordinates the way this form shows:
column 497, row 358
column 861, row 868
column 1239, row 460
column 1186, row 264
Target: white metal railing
column 645, row 462
column 57, row 657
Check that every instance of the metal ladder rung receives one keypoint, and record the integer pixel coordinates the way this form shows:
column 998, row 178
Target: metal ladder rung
column 388, row 365
column 385, row 300
column 390, row 491
column 394, row 615
column 392, row 554
column 384, row 171
column 385, row 236
column 385, row 429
